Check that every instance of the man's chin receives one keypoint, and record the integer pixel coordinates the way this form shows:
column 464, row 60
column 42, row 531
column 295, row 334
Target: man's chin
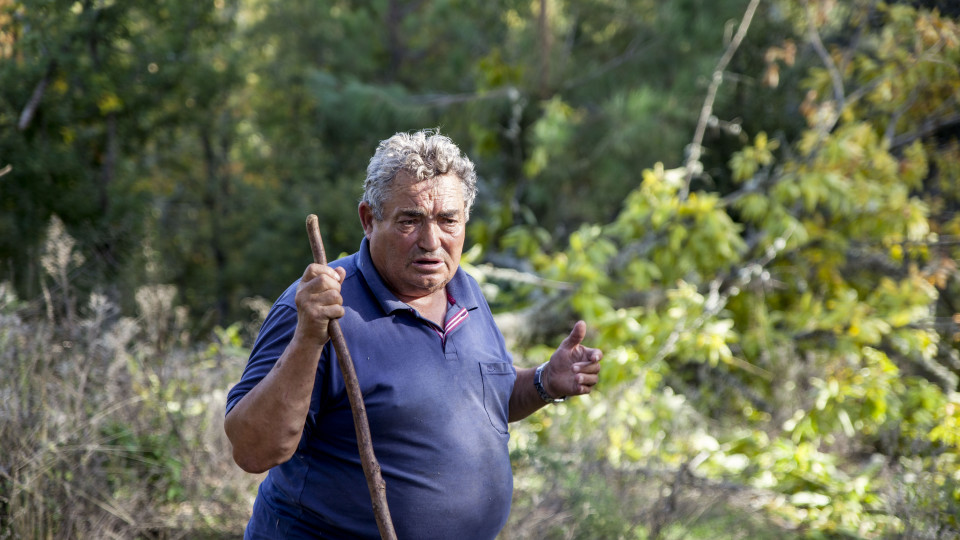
column 430, row 283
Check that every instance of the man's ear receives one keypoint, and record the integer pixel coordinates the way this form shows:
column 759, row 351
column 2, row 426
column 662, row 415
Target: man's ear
column 366, row 218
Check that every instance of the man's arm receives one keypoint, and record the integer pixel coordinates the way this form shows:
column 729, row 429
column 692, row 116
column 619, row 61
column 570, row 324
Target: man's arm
column 265, row 426
column 573, row 370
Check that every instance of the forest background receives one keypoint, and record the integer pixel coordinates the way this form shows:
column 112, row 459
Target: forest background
column 753, row 204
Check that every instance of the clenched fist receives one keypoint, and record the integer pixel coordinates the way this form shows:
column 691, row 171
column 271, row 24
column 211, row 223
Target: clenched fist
column 318, row 301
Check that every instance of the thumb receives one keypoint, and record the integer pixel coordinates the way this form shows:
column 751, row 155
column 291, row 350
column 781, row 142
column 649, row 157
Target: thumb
column 576, row 336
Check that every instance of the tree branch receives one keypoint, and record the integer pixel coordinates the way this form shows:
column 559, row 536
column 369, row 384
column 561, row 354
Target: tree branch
column 693, row 165
column 445, row 100
column 509, row 274
column 30, row 109
column 836, row 79
column 634, row 49
column 927, row 128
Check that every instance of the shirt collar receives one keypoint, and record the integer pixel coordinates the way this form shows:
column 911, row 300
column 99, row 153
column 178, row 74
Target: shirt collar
column 459, row 287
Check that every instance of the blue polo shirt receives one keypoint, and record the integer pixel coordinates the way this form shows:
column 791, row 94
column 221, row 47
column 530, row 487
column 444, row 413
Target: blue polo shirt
column 436, row 399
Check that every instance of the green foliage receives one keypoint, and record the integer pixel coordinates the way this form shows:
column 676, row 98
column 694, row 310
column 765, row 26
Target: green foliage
column 791, row 317
column 145, row 457
column 92, row 85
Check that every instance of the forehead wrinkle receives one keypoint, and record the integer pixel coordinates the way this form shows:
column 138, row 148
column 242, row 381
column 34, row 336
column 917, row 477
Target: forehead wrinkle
column 431, row 205
column 419, row 198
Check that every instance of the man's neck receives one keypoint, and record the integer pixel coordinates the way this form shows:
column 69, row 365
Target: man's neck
column 432, row 307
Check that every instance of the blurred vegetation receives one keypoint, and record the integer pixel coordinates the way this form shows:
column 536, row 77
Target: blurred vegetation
column 754, row 205
column 112, row 424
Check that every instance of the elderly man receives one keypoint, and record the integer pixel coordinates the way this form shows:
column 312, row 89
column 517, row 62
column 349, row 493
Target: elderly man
column 438, row 383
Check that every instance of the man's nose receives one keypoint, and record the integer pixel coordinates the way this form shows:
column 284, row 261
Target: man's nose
column 429, row 237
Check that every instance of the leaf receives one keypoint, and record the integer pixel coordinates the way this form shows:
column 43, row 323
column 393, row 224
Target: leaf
column 809, row 498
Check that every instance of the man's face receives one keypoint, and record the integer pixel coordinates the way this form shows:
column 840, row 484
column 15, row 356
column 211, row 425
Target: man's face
column 417, row 246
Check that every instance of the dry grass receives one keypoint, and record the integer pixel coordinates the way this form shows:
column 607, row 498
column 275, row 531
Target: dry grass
column 110, row 426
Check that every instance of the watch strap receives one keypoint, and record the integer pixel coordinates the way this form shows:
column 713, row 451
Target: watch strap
column 541, row 391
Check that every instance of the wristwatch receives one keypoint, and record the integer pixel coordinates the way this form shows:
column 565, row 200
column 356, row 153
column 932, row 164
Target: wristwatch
column 538, row 383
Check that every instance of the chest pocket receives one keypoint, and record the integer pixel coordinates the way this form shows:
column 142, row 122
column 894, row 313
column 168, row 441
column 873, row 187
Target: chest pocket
column 498, row 379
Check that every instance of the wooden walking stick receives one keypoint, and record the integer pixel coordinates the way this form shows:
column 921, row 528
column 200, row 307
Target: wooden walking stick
column 371, row 469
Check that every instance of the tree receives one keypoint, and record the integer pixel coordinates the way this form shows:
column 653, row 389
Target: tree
column 90, row 83
column 794, row 334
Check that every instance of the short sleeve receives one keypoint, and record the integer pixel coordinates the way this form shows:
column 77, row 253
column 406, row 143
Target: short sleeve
column 274, row 336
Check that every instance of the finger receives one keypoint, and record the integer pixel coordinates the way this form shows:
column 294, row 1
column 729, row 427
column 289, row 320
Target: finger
column 333, row 311
column 313, row 270
column 586, row 367
column 322, row 291
column 592, row 355
column 585, row 390
column 324, row 297
column 587, row 380
column 576, row 336
column 321, row 278
column 321, row 307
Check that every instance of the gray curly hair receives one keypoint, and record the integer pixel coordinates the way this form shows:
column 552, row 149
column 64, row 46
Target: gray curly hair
column 424, row 155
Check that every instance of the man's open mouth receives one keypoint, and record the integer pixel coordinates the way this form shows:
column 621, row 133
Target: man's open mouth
column 428, row 263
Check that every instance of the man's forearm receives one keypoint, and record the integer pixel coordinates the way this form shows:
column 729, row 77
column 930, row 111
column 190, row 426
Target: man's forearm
column 265, row 426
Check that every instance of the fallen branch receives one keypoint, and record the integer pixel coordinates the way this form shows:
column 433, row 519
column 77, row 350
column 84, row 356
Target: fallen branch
column 516, row 276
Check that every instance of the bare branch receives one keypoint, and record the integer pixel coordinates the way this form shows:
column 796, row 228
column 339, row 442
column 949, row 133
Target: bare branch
column 445, row 100
column 634, row 48
column 545, row 42
column 928, row 127
column 26, row 116
column 898, row 114
column 695, row 149
column 836, row 79
column 509, row 274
